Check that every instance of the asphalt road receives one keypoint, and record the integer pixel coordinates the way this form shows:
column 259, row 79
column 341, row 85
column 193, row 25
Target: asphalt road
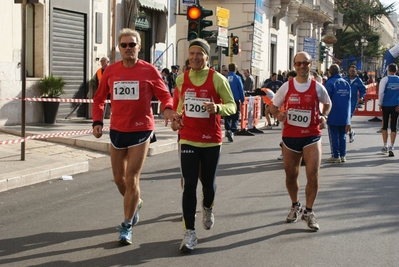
column 73, row 223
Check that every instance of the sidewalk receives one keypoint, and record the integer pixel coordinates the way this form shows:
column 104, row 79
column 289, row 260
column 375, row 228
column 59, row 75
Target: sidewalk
column 66, row 153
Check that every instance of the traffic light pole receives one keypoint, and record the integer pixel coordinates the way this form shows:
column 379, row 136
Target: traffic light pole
column 231, row 48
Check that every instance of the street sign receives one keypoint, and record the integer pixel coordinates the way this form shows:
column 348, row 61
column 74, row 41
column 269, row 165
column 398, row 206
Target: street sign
column 222, row 12
column 222, row 41
column 222, row 31
column 222, row 17
column 222, row 22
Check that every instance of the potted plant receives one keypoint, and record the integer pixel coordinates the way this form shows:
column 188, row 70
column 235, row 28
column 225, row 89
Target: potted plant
column 51, row 87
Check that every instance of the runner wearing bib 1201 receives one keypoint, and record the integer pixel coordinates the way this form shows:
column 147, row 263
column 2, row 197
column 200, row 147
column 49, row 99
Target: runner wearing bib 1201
column 131, row 84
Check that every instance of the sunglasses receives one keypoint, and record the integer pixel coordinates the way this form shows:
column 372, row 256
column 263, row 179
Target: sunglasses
column 299, row 63
column 131, row 45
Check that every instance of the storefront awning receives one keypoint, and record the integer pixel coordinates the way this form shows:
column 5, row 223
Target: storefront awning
column 153, row 4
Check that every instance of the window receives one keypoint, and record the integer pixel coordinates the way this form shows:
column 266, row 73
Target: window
column 30, row 37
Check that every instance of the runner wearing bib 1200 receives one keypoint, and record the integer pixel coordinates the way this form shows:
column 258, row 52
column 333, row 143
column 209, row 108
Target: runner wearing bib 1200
column 301, row 98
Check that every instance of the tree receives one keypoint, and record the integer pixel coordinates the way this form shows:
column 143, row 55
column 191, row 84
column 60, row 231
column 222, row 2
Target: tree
column 357, row 15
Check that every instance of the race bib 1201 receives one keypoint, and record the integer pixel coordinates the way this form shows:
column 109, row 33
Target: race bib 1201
column 126, row 90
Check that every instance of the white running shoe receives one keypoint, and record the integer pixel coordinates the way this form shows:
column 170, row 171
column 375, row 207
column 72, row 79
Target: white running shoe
column 208, row 219
column 189, row 241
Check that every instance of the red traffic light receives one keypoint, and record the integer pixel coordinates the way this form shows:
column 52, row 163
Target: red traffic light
column 193, row 13
column 235, row 39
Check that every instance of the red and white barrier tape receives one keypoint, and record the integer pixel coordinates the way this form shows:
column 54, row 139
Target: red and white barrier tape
column 44, row 136
column 63, row 100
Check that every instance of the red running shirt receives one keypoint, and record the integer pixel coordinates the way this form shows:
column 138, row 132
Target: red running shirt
column 199, row 125
column 302, row 112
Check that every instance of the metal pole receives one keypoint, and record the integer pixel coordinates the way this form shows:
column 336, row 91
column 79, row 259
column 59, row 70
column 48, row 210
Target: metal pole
column 361, row 57
column 23, row 78
column 231, row 48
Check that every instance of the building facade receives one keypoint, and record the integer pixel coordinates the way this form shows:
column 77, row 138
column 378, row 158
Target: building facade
column 67, row 38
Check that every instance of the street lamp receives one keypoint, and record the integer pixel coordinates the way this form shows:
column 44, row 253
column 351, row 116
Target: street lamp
column 364, row 43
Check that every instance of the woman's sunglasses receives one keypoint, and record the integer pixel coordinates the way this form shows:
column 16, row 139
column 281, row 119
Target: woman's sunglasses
column 131, row 45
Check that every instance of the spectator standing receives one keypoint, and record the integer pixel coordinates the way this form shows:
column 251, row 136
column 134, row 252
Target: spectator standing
column 358, row 91
column 280, row 76
column 202, row 96
column 225, row 70
column 104, row 61
column 338, row 120
column 365, row 77
column 240, row 75
column 249, row 84
column 231, row 122
column 389, row 104
column 274, row 84
column 301, row 98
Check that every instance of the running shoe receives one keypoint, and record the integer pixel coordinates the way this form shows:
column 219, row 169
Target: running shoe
column 343, row 159
column 266, row 127
column 384, row 150
column 125, row 234
column 351, row 136
column 333, row 160
column 230, row 136
column 189, row 241
column 136, row 214
column 208, row 219
column 294, row 213
column 280, row 157
column 390, row 151
column 310, row 220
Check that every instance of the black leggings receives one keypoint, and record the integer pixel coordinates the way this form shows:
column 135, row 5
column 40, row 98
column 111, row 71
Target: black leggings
column 386, row 112
column 192, row 159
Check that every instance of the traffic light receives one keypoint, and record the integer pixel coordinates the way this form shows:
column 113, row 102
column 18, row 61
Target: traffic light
column 205, row 23
column 235, row 45
column 194, row 18
column 322, row 52
column 225, row 51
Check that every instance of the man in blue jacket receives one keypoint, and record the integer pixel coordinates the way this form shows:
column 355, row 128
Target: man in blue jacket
column 231, row 122
column 388, row 96
column 358, row 92
column 339, row 118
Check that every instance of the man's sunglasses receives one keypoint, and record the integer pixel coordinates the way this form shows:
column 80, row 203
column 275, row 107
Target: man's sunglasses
column 299, row 63
column 131, row 45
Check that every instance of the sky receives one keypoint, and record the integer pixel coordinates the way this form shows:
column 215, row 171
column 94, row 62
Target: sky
column 388, row 2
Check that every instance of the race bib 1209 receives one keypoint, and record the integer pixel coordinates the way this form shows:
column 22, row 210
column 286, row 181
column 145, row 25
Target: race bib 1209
column 194, row 107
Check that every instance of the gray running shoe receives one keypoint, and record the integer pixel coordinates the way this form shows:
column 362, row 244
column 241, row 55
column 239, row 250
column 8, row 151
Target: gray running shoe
column 189, row 241
column 390, row 151
column 333, row 160
column 230, row 136
column 384, row 150
column 351, row 136
column 208, row 219
column 294, row 214
column 310, row 220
